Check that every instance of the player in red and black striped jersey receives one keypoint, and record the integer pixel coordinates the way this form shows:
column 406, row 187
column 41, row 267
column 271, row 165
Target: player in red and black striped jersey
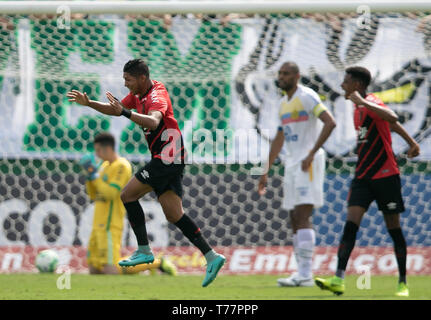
column 377, row 176
column 163, row 174
column 376, row 159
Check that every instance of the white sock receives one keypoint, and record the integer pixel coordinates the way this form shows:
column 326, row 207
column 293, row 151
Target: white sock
column 295, row 247
column 306, row 242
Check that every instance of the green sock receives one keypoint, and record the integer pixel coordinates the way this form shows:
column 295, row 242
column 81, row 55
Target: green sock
column 145, row 249
column 210, row 256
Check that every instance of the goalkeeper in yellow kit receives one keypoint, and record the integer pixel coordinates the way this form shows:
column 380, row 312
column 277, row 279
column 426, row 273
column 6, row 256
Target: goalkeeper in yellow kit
column 104, row 184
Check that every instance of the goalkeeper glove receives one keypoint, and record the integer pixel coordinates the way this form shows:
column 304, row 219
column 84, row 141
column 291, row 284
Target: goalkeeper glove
column 89, row 164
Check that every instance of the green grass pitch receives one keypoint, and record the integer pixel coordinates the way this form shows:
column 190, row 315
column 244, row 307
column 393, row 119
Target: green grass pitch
column 188, row 287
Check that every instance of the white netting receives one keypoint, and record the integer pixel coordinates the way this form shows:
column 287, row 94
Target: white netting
column 220, row 72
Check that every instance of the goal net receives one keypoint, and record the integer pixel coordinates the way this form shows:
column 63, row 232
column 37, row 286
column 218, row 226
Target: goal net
column 220, row 70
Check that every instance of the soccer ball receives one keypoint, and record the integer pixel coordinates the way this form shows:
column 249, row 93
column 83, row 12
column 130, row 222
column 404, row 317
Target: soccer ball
column 46, row 261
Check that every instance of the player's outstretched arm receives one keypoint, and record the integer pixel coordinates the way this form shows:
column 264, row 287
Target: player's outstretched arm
column 276, row 146
column 414, row 149
column 150, row 121
column 82, row 99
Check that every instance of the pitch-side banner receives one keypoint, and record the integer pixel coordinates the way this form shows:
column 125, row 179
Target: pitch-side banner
column 229, row 86
column 240, row 260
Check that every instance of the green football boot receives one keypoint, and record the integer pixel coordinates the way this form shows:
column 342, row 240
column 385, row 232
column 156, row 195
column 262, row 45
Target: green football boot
column 166, row 266
column 212, row 269
column 403, row 290
column 334, row 284
column 136, row 258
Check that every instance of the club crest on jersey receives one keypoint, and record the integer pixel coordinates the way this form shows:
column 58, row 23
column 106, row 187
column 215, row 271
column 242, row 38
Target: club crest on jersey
column 154, row 97
column 288, row 136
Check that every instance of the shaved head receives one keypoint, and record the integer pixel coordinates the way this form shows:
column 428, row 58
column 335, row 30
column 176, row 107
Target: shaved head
column 292, row 66
column 288, row 76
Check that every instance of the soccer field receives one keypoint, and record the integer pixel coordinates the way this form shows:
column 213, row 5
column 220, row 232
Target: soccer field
column 160, row 287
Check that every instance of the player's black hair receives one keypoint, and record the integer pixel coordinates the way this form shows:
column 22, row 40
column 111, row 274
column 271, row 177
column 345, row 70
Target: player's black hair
column 105, row 139
column 361, row 74
column 292, row 65
column 137, row 67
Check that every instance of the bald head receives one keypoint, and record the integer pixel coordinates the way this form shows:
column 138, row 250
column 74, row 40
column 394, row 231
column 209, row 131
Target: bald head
column 288, row 76
column 292, row 66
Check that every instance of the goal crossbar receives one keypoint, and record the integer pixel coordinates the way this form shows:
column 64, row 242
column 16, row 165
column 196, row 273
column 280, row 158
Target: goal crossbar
column 221, row 7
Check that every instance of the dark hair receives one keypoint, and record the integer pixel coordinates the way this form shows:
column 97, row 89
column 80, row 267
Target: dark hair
column 361, row 74
column 105, row 139
column 137, row 67
column 292, row 65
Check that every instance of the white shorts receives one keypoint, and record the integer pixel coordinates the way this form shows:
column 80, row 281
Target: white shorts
column 304, row 187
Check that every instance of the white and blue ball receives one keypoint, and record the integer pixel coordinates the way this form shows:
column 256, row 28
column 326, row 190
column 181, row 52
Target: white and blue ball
column 46, row 261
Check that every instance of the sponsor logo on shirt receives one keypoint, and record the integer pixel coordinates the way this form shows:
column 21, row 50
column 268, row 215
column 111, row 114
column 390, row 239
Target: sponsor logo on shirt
column 288, row 136
column 362, row 133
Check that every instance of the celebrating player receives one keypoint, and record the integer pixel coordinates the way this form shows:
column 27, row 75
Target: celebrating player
column 301, row 111
column 376, row 176
column 164, row 172
column 103, row 185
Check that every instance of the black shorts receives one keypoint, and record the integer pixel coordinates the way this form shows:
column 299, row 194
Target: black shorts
column 162, row 177
column 386, row 192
